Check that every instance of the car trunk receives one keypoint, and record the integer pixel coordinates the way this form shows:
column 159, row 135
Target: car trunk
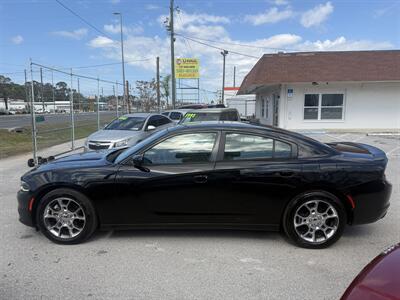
column 359, row 150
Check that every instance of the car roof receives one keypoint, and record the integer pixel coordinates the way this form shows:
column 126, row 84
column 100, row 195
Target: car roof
column 183, row 110
column 212, row 110
column 236, row 125
column 140, row 114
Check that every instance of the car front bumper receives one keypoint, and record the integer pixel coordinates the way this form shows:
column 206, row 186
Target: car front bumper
column 372, row 203
column 24, row 202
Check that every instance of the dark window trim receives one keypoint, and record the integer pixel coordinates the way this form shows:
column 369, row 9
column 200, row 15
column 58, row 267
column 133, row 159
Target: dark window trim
column 293, row 156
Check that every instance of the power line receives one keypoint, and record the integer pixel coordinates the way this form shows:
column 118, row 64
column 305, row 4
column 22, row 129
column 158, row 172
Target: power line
column 76, row 75
column 240, row 44
column 84, row 20
column 219, row 48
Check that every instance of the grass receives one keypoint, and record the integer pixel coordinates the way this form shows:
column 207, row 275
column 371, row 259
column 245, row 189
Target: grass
column 13, row 143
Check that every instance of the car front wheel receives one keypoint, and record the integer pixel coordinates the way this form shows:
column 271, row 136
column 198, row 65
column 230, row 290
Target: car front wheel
column 315, row 220
column 66, row 216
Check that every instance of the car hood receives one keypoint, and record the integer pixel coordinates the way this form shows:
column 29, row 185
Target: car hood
column 114, row 135
column 80, row 160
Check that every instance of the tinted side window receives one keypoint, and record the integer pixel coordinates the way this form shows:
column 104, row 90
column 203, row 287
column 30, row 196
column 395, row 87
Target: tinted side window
column 307, row 151
column 158, row 121
column 165, row 113
column 233, row 116
column 175, row 115
column 181, row 149
column 153, row 121
column 246, row 146
column 163, row 120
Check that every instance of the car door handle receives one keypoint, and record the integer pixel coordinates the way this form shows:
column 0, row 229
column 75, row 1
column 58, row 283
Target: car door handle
column 200, row 178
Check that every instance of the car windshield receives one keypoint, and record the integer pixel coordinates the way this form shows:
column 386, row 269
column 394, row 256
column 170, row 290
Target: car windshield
column 126, row 123
column 199, row 117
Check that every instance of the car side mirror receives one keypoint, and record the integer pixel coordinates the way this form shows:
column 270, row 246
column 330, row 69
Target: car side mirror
column 137, row 162
column 151, row 127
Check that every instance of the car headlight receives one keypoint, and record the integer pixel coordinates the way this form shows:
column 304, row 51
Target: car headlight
column 121, row 143
column 24, row 187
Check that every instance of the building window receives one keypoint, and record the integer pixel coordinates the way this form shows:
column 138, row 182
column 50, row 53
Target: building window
column 323, row 106
column 266, row 109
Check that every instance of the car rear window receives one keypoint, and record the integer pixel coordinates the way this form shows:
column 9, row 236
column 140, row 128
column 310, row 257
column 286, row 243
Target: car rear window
column 175, row 115
column 200, row 117
column 245, row 146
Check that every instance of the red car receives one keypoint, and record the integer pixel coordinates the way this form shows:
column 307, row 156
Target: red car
column 379, row 280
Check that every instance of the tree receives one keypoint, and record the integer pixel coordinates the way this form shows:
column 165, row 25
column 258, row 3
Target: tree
column 147, row 93
column 165, row 86
column 11, row 90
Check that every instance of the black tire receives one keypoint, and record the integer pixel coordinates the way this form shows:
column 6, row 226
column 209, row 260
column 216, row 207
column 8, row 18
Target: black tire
column 299, row 203
column 87, row 227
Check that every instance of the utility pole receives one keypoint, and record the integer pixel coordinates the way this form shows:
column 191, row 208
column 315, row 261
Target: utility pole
column 224, row 54
column 234, row 76
column 41, row 88
column 172, row 33
column 158, row 85
column 127, row 94
column 122, row 57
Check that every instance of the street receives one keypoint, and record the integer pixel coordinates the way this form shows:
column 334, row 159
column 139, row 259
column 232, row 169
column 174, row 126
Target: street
column 13, row 121
column 203, row 264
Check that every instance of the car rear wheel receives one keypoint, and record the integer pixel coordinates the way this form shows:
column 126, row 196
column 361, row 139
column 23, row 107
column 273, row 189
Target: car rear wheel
column 315, row 220
column 66, row 216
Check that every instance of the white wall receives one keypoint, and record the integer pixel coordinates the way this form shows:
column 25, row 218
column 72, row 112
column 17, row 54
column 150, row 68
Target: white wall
column 366, row 106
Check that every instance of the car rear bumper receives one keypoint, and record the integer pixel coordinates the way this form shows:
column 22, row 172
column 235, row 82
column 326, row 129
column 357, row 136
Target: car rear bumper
column 372, row 204
column 25, row 215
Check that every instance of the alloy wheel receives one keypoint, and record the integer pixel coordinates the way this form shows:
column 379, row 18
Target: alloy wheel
column 316, row 221
column 64, row 218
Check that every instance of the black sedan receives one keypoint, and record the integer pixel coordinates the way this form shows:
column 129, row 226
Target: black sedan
column 224, row 175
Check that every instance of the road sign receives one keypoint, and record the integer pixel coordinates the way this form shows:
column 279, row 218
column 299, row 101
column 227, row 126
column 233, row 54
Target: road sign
column 187, row 68
column 39, row 119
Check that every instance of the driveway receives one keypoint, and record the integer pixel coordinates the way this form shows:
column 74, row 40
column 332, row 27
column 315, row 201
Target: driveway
column 186, row 264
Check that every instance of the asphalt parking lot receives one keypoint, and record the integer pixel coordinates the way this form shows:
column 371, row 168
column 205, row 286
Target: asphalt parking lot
column 187, row 264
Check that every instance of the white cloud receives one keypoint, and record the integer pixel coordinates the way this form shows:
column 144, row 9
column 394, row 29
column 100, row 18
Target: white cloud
column 18, row 39
column 75, row 34
column 140, row 46
column 152, row 7
column 115, row 28
column 280, row 2
column 316, row 15
column 101, row 42
column 342, row 44
column 272, row 15
column 183, row 19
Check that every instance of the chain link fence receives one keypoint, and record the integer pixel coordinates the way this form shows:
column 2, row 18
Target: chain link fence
column 66, row 107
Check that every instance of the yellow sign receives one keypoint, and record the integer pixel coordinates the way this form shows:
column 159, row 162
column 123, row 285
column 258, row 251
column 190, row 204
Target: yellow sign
column 187, row 68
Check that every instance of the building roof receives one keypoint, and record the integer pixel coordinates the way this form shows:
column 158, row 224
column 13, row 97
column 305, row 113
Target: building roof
column 300, row 67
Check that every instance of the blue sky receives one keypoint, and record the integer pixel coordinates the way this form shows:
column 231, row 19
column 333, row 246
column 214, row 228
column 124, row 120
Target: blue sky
column 51, row 35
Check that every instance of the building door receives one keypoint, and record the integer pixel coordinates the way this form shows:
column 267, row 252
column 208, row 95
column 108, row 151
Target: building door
column 275, row 110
